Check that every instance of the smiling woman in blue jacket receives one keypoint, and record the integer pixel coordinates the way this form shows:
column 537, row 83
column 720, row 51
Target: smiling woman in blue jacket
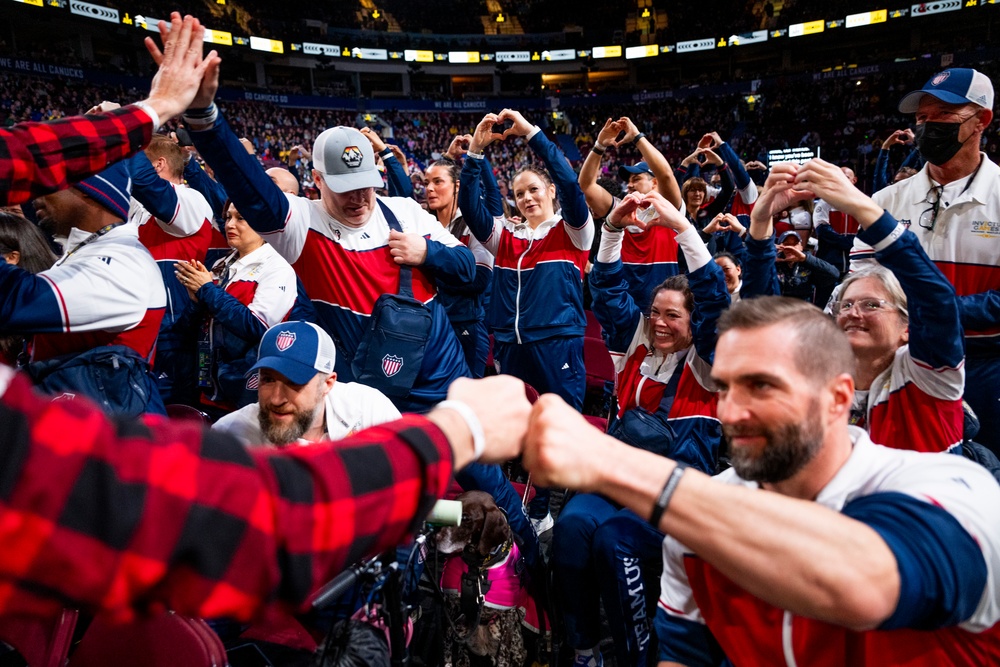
column 536, row 302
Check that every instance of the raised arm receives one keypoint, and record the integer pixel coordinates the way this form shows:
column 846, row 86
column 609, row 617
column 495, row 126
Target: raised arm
column 746, row 187
column 262, row 203
column 574, row 205
column 198, row 179
column 708, row 284
column 484, row 223
column 935, row 322
column 400, row 184
column 491, row 191
column 935, row 326
column 41, row 158
column 721, row 201
column 484, row 258
column 688, row 168
column 398, row 180
column 760, row 274
column 179, row 212
column 882, row 176
column 613, row 306
column 666, row 182
column 599, row 200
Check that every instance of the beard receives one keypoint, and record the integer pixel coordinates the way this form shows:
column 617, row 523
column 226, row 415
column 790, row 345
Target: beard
column 283, row 435
column 789, row 447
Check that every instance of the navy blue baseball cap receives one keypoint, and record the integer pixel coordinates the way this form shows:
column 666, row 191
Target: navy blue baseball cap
column 958, row 85
column 297, row 350
column 111, row 188
column 787, row 235
column 624, row 171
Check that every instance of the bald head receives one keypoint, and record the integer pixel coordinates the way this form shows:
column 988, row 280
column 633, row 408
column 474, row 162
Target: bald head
column 850, row 174
column 284, row 179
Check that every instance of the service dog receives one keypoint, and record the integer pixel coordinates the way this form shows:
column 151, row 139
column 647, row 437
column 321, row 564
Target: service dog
column 484, row 595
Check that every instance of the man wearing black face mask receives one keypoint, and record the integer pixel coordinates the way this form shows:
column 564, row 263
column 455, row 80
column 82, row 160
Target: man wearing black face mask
column 953, row 206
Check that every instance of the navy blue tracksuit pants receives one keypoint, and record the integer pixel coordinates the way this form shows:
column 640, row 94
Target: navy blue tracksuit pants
column 602, row 552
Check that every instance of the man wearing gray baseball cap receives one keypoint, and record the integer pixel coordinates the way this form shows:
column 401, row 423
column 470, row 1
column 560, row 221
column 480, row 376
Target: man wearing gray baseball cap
column 953, row 206
column 349, row 248
column 347, row 254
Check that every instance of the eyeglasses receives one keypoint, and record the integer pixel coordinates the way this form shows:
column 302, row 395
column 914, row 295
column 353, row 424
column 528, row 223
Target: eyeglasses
column 929, row 216
column 865, row 306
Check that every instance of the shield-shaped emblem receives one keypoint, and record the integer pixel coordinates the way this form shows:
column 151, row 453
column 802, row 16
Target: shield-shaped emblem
column 391, row 364
column 253, row 382
column 284, row 340
column 940, row 78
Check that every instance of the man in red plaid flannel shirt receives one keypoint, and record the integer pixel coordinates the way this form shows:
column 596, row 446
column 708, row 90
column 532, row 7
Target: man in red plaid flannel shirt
column 153, row 514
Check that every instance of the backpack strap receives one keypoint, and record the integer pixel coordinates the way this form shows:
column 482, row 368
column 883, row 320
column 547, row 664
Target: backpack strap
column 405, row 272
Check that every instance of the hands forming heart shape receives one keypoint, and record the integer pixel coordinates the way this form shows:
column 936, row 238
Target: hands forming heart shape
column 648, row 210
column 497, row 127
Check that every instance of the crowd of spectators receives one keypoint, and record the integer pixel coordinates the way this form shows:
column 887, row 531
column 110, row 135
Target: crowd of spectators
column 845, row 120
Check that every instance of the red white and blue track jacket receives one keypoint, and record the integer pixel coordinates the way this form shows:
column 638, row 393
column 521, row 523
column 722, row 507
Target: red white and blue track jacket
column 666, row 403
column 537, row 290
column 940, row 516
column 964, row 244
column 345, row 269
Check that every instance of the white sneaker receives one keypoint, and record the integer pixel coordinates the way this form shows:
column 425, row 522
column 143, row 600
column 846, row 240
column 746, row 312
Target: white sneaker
column 594, row 660
column 544, row 524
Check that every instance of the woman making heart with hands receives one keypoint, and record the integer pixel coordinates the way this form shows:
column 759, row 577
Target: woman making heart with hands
column 665, row 405
column 536, row 307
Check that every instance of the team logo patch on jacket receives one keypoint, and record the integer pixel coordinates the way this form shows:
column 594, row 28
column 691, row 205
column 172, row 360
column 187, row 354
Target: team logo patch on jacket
column 391, row 365
column 352, row 157
column 284, row 340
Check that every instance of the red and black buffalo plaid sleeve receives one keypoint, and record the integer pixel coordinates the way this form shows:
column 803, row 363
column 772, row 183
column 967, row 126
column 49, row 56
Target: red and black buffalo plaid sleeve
column 41, row 158
column 150, row 514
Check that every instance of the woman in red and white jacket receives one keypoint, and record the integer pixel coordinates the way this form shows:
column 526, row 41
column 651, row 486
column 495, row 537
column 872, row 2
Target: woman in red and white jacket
column 248, row 291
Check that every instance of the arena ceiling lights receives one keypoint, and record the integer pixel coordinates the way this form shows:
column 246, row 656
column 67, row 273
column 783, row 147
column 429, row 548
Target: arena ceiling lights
column 818, row 26
column 316, row 49
column 93, row 11
column 867, row 18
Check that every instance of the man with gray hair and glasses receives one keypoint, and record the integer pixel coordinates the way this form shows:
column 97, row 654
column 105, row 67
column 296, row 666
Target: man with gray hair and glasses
column 953, row 207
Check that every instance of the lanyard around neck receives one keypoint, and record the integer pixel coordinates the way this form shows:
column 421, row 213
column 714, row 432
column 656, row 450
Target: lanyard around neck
column 90, row 239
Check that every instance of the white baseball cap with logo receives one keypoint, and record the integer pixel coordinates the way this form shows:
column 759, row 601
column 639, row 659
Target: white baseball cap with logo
column 346, row 159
